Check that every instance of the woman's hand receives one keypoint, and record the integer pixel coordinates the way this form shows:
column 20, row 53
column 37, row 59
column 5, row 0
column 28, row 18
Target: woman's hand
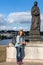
column 23, row 43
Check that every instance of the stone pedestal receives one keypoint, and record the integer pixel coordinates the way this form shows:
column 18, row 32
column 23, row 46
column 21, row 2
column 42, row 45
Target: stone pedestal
column 34, row 35
column 33, row 52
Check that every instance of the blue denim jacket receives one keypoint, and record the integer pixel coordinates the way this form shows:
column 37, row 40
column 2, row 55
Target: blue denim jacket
column 19, row 40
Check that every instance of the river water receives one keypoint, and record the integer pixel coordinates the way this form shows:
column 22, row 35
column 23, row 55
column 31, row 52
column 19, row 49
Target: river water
column 7, row 41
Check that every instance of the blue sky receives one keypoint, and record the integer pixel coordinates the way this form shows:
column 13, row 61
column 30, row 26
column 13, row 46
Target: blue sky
column 16, row 14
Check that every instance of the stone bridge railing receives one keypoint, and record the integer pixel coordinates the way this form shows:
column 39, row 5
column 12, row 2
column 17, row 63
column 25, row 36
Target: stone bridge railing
column 33, row 51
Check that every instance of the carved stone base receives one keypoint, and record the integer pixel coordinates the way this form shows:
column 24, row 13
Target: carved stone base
column 34, row 32
column 32, row 38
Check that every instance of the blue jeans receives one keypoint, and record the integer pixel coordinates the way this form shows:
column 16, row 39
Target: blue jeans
column 19, row 53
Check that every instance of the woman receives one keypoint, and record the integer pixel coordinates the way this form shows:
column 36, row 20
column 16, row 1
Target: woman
column 19, row 46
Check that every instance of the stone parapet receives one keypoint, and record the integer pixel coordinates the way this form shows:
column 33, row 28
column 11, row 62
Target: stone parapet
column 33, row 52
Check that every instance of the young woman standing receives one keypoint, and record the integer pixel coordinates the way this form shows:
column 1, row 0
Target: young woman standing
column 19, row 46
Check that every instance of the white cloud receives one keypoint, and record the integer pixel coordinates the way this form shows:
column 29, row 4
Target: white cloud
column 19, row 17
column 2, row 18
column 16, row 17
column 2, row 27
column 20, row 28
column 17, row 28
column 41, row 16
column 14, row 28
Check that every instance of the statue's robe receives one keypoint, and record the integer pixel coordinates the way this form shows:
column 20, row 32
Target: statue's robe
column 35, row 12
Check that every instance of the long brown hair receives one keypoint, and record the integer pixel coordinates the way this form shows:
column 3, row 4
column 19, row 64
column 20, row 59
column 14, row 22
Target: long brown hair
column 19, row 32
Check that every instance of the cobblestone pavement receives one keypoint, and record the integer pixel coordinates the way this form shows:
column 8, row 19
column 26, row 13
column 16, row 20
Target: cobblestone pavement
column 22, row 64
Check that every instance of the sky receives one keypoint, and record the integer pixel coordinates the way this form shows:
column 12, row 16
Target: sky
column 16, row 14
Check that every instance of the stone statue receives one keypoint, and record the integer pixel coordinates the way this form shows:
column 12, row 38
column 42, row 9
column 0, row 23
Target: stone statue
column 35, row 12
column 35, row 24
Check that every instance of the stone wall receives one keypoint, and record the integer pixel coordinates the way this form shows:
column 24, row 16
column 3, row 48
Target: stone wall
column 33, row 51
column 2, row 53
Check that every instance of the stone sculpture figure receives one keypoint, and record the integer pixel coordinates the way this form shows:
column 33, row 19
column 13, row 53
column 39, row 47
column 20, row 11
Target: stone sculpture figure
column 35, row 12
column 35, row 23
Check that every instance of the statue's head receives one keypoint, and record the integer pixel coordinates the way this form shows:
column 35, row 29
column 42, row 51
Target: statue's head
column 35, row 3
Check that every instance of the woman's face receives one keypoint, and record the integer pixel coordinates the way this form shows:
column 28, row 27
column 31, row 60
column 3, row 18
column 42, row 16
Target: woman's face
column 21, row 33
